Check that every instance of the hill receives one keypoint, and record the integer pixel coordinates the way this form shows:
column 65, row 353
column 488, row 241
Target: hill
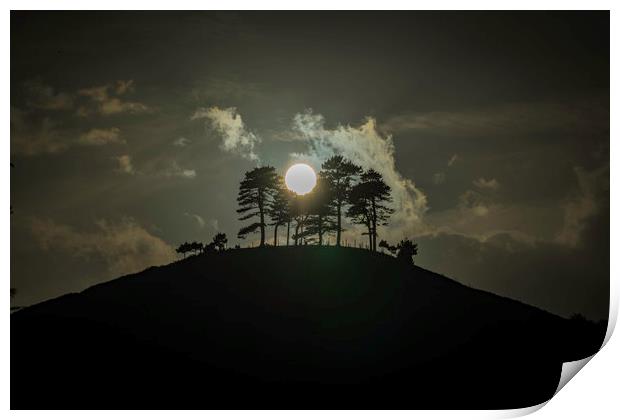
column 289, row 327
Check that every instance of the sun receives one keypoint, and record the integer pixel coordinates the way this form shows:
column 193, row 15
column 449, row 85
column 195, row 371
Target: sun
column 300, row 178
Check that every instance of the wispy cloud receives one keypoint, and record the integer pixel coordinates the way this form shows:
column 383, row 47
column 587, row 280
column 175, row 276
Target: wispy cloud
column 181, row 142
column 101, row 136
column 199, row 220
column 42, row 96
column 106, row 100
column 365, row 146
column 176, row 171
column 229, row 124
column 124, row 246
column 512, row 118
column 31, row 137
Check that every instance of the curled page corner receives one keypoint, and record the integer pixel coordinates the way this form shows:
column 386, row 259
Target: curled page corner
column 569, row 370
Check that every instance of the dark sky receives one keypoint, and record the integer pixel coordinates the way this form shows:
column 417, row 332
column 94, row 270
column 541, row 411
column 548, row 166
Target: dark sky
column 130, row 132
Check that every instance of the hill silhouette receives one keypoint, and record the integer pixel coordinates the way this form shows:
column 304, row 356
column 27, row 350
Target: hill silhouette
column 289, row 327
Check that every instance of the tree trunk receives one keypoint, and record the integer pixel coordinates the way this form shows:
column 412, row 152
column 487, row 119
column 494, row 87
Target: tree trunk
column 288, row 232
column 297, row 233
column 373, row 245
column 275, row 236
column 339, row 225
column 320, row 230
column 262, row 218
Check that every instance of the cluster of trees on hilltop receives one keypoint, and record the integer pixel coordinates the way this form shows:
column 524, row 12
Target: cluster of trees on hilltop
column 343, row 190
column 217, row 244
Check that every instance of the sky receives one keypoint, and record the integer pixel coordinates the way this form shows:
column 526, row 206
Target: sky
column 130, row 132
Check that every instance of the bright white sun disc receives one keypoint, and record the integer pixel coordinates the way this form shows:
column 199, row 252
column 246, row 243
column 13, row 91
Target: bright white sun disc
column 300, row 178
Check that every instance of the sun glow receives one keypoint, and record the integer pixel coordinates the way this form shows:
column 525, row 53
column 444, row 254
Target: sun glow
column 300, row 178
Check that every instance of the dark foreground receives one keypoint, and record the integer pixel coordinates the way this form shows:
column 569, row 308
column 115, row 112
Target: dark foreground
column 302, row 327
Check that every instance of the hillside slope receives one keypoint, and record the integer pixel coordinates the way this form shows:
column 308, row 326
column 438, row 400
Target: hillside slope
column 288, row 327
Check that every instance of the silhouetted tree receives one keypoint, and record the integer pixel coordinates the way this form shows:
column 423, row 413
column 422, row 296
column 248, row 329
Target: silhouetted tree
column 391, row 249
column 255, row 193
column 184, row 248
column 379, row 194
column 406, row 251
column 196, row 247
column 219, row 241
column 321, row 214
column 340, row 174
column 279, row 210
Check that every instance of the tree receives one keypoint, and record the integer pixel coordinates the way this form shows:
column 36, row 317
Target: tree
column 321, row 213
column 406, row 250
column 196, row 247
column 340, row 174
column 379, row 194
column 219, row 241
column 184, row 248
column 391, row 249
column 279, row 211
column 255, row 193
column 368, row 201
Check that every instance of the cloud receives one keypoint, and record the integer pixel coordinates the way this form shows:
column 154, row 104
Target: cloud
column 103, row 101
column 125, row 246
column 199, row 220
column 592, row 195
column 215, row 225
column 124, row 86
column 486, row 184
column 31, row 137
column 228, row 123
column 99, row 136
column 509, row 119
column 42, row 96
column 181, row 142
column 176, row 171
column 125, row 165
column 34, row 135
column 474, row 202
column 365, row 146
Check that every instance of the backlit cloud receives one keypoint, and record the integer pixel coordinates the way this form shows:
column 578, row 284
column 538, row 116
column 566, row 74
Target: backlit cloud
column 365, row 146
column 229, row 124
